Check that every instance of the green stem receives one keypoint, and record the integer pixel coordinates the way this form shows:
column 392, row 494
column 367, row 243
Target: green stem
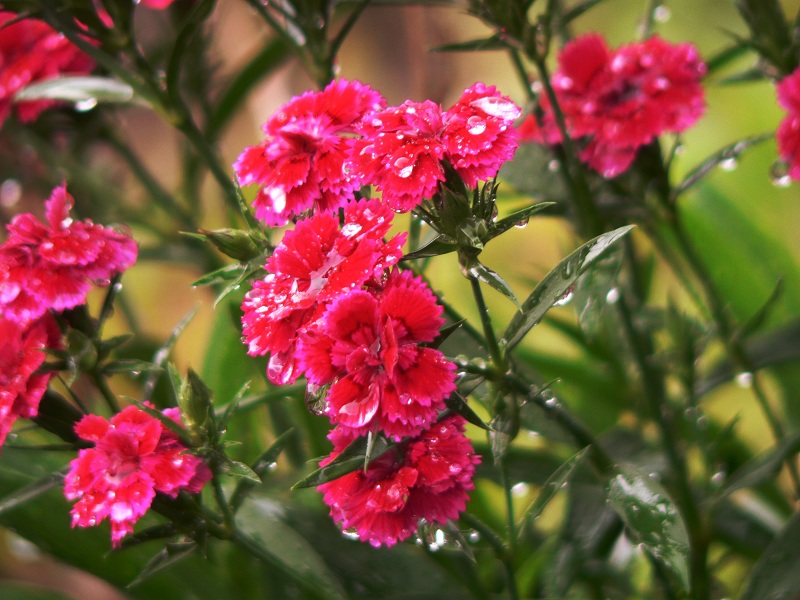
column 102, row 385
column 500, row 548
column 495, row 352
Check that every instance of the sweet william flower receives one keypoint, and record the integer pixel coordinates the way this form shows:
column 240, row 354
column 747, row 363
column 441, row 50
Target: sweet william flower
column 301, row 164
column 134, row 456
column 788, row 133
column 21, row 355
column 402, row 147
column 621, row 100
column 314, row 263
column 53, row 265
column 31, row 51
column 427, row 477
column 368, row 345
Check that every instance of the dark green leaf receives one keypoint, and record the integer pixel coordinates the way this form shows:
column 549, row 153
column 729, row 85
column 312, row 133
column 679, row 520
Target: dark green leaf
column 517, row 219
column 350, row 459
column 725, row 56
column 776, row 576
column 762, row 468
column 439, row 245
column 260, row 467
column 652, row 519
column 130, row 365
column 235, row 468
column 31, row 491
column 456, row 403
column 58, row 416
column 591, row 295
column 473, row 268
column 220, row 275
column 279, row 544
column 556, row 283
column 760, row 316
column 491, row 43
column 168, row 556
column 22, row 591
column 162, row 354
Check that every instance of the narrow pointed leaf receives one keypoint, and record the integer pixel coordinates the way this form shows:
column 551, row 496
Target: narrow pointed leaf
column 762, row 469
column 79, row 90
column 168, row 556
column 556, row 283
column 652, row 519
column 439, row 245
column 260, row 467
column 239, row 469
column 31, row 491
column 776, row 575
column 491, row 43
column 516, row 219
column 161, row 355
column 474, row 268
column 456, row 403
column 225, row 273
column 349, row 460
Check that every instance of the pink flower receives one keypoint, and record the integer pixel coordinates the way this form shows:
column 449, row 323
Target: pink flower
column 402, row 147
column 157, row 4
column 788, row 133
column 21, row 354
column 314, row 263
column 301, row 164
column 368, row 345
column 30, row 51
column 428, row 477
column 621, row 100
column 134, row 457
column 53, row 266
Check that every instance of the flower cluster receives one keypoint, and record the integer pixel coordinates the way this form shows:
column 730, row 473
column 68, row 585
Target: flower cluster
column 620, row 100
column 134, row 456
column 45, row 269
column 31, row 51
column 311, row 158
column 788, row 134
column 425, row 477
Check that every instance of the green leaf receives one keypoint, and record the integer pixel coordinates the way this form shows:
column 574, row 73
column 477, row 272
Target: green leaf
column 491, row 43
column 239, row 469
column 22, row 591
column 556, row 283
column 277, row 543
column 130, row 365
column 220, row 275
column 591, row 296
column 439, row 245
column 763, row 468
column 162, row 354
column 456, row 403
column 652, row 519
column 533, row 172
column 350, row 459
column 31, row 491
column 260, row 467
column 517, row 219
column 474, row 269
column 168, row 556
column 776, row 576
column 84, row 91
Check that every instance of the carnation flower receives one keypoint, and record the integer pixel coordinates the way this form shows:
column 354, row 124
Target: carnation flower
column 134, row 457
column 402, row 147
column 21, row 354
column 367, row 344
column 427, row 477
column 31, row 51
column 788, row 133
column 313, row 264
column 621, row 100
column 301, row 164
column 53, row 266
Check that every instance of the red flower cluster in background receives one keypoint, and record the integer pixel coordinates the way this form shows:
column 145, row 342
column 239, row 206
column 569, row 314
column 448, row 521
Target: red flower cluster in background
column 620, row 100
column 32, row 51
column 134, row 457
column 788, row 134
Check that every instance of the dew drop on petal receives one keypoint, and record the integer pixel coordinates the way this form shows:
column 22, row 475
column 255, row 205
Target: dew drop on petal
column 501, row 108
column 476, row 125
column 404, row 167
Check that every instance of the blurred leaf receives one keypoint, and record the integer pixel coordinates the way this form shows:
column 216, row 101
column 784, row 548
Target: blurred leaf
column 239, row 469
column 491, row 43
column 651, row 518
column 350, row 459
column 276, row 542
column 776, row 575
column 473, row 268
column 260, row 467
column 535, row 172
column 577, row 10
column 725, row 56
column 31, row 491
column 80, row 91
column 162, row 354
column 221, row 275
column 591, row 295
column 22, row 591
column 556, row 283
column 169, row 555
column 763, row 468
column 58, row 416
column 760, row 316
column 130, row 365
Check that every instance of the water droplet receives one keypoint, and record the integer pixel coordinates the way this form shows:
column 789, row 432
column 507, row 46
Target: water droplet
column 85, row 105
column 10, row 192
column 612, row 296
column 728, row 164
column 502, row 108
column 744, row 379
column 779, row 173
column 476, row 125
column 718, row 478
column 404, row 167
column 553, row 166
column 521, row 224
column 520, row 489
column 537, row 87
column 662, row 14
column 351, row 534
column 566, row 298
column 351, row 229
column 474, row 536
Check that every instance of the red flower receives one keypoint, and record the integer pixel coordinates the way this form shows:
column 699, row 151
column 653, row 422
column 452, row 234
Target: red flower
column 403, row 147
column 313, row 264
column 302, row 162
column 21, row 354
column 53, row 267
column 367, row 344
column 31, row 51
column 621, row 100
column 428, row 477
column 134, row 457
column 788, row 133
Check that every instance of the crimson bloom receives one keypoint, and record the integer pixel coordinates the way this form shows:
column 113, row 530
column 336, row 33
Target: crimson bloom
column 621, row 100
column 134, row 457
column 788, row 134
column 21, row 354
column 31, row 51
column 402, row 147
column 427, row 477
column 302, row 162
column 315, row 262
column 53, row 266
column 367, row 344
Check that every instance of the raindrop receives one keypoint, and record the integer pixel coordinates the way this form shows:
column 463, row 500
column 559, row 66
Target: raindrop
column 728, row 164
column 501, row 108
column 744, row 379
column 476, row 125
column 718, row 477
column 404, row 167
column 10, row 192
column 351, row 229
column 661, row 14
column 553, row 166
column 350, row 534
column 85, row 105
column 520, row 489
column 474, row 536
column 612, row 296
column 521, row 224
column 779, row 174
column 537, row 87
column 566, row 298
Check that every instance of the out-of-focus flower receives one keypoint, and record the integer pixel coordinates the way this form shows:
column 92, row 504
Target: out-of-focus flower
column 402, row 147
column 21, row 354
column 368, row 346
column 31, row 51
column 134, row 457
column 301, row 164
column 313, row 264
column 620, row 100
column 53, row 266
column 157, row 4
column 427, row 477
column 788, row 133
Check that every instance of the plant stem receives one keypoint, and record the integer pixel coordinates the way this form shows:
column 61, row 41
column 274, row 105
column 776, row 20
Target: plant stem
column 491, row 340
column 500, row 548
